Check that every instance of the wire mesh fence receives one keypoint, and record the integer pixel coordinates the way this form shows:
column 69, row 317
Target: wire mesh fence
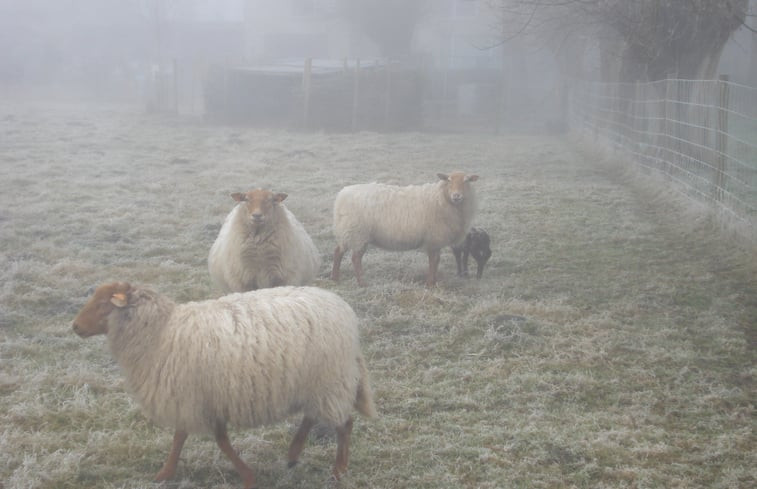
column 701, row 135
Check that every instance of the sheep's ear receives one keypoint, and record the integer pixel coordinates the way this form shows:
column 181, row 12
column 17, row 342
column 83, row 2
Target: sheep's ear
column 279, row 198
column 119, row 299
column 442, row 176
column 239, row 197
column 471, row 178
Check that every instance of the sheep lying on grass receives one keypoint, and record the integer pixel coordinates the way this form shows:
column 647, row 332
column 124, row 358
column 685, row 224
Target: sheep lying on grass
column 429, row 217
column 261, row 244
column 476, row 244
column 246, row 359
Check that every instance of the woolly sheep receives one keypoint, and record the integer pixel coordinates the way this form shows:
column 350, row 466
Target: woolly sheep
column 476, row 244
column 429, row 217
column 247, row 359
column 261, row 244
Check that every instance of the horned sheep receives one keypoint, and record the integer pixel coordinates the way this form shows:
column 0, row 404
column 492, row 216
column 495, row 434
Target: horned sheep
column 429, row 217
column 262, row 244
column 247, row 359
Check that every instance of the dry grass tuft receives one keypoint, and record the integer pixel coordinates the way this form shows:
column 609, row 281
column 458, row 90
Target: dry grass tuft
column 610, row 342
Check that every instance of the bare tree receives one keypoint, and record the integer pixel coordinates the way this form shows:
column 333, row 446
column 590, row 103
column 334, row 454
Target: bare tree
column 636, row 40
column 752, row 72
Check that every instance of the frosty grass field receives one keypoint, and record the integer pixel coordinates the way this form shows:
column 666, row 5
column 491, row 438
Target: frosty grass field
column 610, row 343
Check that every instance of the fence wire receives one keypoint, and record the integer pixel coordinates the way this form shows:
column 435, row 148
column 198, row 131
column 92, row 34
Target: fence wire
column 701, row 135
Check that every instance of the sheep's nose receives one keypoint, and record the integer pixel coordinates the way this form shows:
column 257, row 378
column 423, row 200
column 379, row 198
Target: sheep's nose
column 257, row 216
column 76, row 328
column 457, row 197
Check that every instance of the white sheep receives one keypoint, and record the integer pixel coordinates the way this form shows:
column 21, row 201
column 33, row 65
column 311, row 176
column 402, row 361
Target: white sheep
column 429, row 217
column 261, row 244
column 247, row 359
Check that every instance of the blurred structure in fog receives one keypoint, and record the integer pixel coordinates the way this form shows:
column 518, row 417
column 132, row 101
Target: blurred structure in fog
column 460, row 65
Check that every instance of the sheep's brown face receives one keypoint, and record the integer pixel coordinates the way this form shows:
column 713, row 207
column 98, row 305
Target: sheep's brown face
column 457, row 185
column 259, row 204
column 93, row 317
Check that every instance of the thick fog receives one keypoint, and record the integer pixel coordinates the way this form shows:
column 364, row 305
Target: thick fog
column 489, row 64
column 163, row 54
column 611, row 175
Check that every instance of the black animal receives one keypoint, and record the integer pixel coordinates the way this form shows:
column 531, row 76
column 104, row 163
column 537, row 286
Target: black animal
column 476, row 244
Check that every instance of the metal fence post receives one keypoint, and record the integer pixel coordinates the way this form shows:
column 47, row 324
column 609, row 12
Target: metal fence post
column 721, row 136
column 667, row 145
column 635, row 123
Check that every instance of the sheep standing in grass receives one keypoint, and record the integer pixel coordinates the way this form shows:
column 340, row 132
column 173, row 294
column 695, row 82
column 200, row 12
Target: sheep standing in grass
column 246, row 359
column 475, row 244
column 261, row 244
column 429, row 217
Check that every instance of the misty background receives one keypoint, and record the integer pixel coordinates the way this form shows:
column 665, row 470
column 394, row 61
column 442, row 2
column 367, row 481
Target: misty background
column 442, row 64
column 611, row 339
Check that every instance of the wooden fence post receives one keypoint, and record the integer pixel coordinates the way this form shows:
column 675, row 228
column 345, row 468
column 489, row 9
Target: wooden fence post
column 721, row 137
column 388, row 98
column 500, row 103
column 225, row 101
column 355, row 93
column 175, row 66
column 306, row 72
column 564, row 119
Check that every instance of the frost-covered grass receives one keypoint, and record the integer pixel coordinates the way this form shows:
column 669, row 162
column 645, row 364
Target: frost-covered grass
column 610, row 342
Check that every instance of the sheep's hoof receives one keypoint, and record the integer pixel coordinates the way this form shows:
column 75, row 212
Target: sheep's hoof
column 291, row 463
column 338, row 472
column 249, row 482
column 163, row 475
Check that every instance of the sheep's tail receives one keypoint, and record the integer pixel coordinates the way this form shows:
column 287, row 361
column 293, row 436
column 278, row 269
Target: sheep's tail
column 364, row 399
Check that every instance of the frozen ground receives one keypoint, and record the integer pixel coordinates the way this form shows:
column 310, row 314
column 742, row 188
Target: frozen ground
column 611, row 342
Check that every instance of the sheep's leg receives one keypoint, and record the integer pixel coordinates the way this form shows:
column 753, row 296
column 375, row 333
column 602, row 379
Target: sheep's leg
column 338, row 255
column 246, row 473
column 276, row 280
column 466, row 253
column 481, row 257
column 169, row 467
column 480, row 267
column 433, row 266
column 357, row 264
column 298, row 442
column 342, row 448
column 458, row 260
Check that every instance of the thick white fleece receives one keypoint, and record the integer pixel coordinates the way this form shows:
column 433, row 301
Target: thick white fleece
column 401, row 218
column 247, row 359
column 281, row 251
